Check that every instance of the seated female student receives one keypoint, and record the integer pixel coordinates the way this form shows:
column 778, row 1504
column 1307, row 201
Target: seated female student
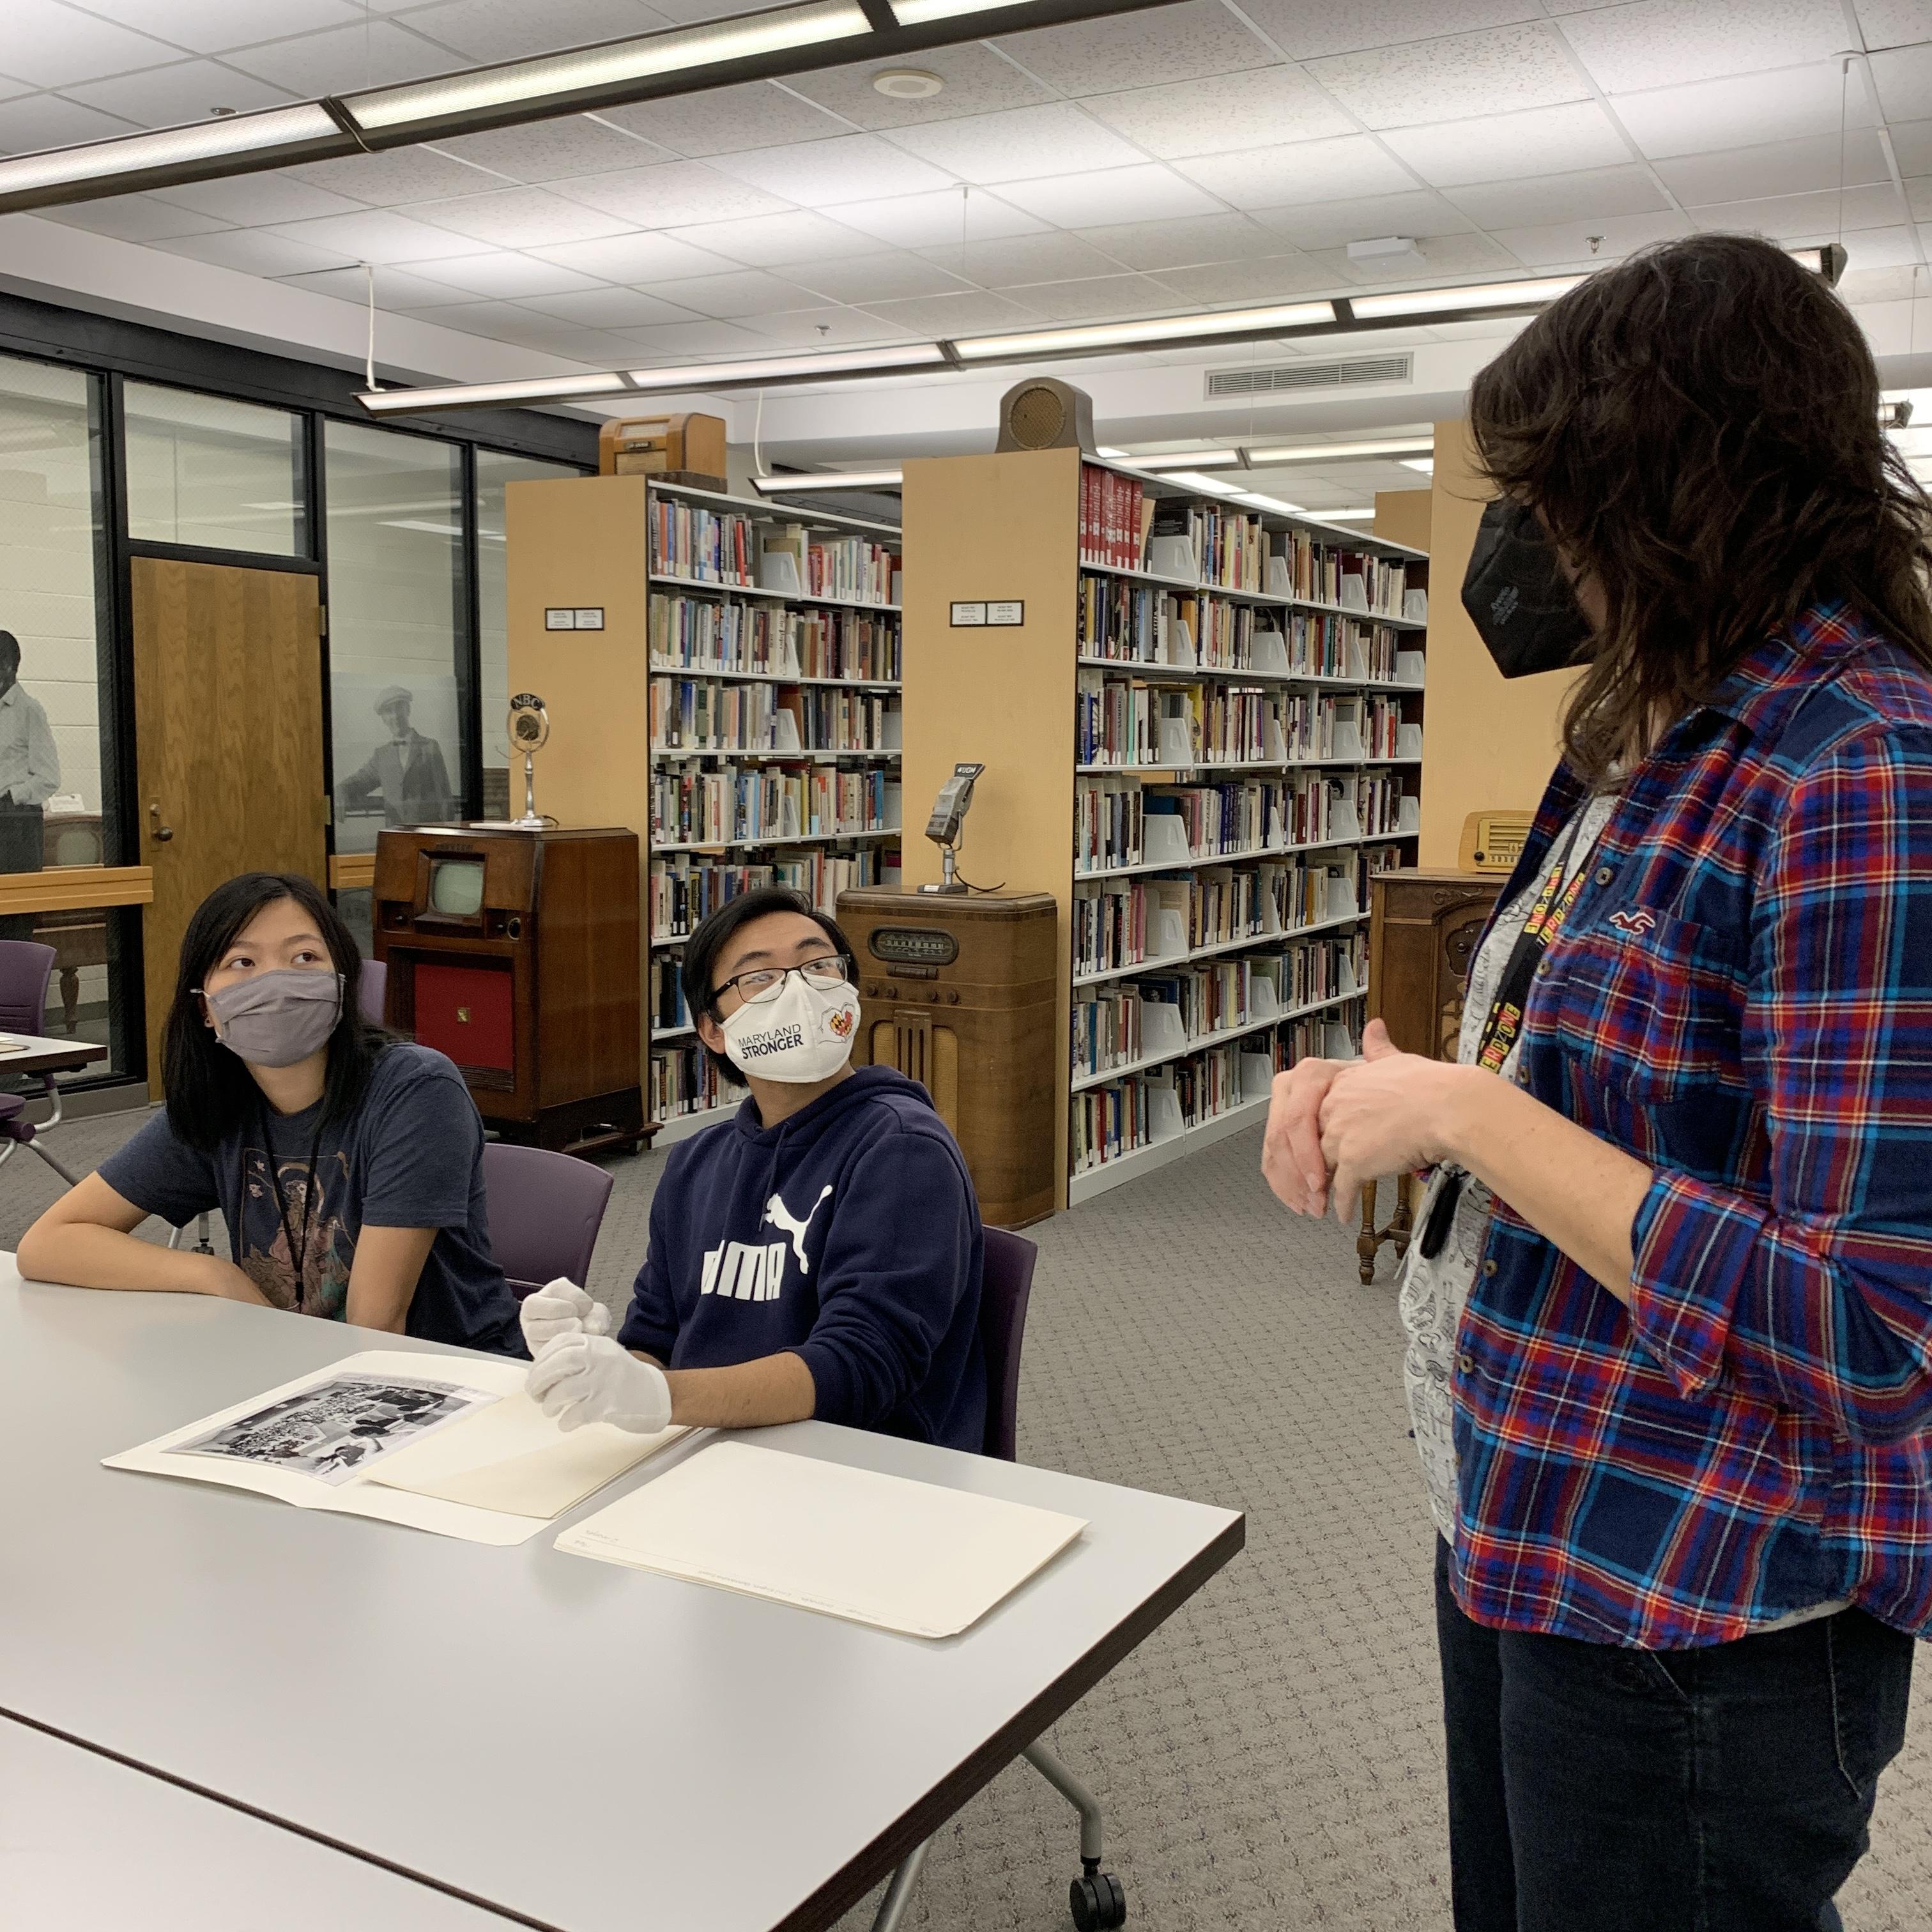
column 347, row 1165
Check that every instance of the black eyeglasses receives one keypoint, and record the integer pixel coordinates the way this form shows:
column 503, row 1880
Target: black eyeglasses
column 764, row 982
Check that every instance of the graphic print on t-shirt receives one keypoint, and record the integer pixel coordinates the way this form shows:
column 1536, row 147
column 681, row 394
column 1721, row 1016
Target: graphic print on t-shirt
column 329, row 1251
column 755, row 1270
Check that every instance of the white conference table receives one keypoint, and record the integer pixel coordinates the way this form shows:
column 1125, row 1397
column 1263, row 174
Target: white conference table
column 573, row 1745
column 48, row 1053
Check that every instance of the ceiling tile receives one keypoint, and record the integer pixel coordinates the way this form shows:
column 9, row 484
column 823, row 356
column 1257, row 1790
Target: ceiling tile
column 1661, row 42
column 1444, row 255
column 823, row 328
column 725, row 119
column 1266, row 279
column 1021, row 258
column 394, row 290
column 1022, row 145
column 1305, row 32
column 1184, row 243
column 1911, row 144
column 378, row 236
column 671, row 195
column 256, row 251
column 515, row 218
column 212, row 26
column 1184, row 42
column 166, row 97
column 673, row 341
column 598, row 348
column 1332, row 224
column 772, row 241
column 1786, row 167
column 254, row 201
column 35, row 121
column 1301, row 172
column 345, row 60
column 501, row 30
column 1567, row 243
column 1904, row 78
column 1099, row 298
column 611, row 308
column 633, row 258
column 1707, row 115
column 1233, row 112
column 1502, row 147
column 54, row 46
column 134, row 217
column 955, row 315
column 401, row 175
column 868, row 278
column 819, row 174
column 1893, row 23
column 977, row 82
column 1529, row 204
column 506, row 276
column 553, row 150
column 1151, row 192
column 1798, row 218
column 724, row 297
column 1859, row 286
column 1918, row 197
column 924, row 221
column 1455, row 78
column 1872, row 249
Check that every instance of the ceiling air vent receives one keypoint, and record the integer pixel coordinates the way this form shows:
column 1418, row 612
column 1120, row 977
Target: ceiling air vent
column 1310, row 376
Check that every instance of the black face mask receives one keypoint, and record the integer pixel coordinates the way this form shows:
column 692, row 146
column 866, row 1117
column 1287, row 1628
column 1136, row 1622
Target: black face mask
column 1518, row 597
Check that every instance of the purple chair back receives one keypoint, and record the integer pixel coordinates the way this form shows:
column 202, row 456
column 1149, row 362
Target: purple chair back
column 375, row 985
column 545, row 1209
column 25, row 966
column 1005, row 1287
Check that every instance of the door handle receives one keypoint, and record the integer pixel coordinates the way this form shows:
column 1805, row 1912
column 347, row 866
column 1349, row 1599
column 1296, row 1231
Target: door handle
column 159, row 832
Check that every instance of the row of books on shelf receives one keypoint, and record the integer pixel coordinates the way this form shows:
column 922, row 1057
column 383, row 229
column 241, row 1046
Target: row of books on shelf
column 683, row 1082
column 1329, row 573
column 766, row 803
column 772, row 640
column 1132, row 623
column 693, row 714
column 686, row 887
column 1119, row 923
column 1128, row 721
column 1143, row 1110
column 1165, row 1014
column 742, row 552
column 1133, row 821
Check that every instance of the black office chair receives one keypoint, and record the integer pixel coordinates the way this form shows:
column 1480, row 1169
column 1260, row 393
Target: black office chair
column 1095, row 1898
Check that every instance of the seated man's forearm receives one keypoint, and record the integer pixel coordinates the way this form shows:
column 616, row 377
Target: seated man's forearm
column 748, row 1395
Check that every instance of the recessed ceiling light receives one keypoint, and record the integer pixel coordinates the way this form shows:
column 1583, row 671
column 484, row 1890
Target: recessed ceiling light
column 907, row 83
column 1427, row 464
column 1325, row 452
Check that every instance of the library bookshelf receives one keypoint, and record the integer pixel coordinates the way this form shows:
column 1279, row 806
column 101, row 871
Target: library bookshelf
column 739, row 709
column 1202, row 728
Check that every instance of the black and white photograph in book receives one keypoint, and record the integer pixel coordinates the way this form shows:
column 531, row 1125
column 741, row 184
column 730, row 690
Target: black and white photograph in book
column 341, row 1427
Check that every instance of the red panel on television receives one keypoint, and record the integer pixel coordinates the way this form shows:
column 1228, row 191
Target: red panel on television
column 466, row 1012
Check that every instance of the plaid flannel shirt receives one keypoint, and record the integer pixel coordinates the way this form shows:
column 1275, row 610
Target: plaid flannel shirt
column 1741, row 998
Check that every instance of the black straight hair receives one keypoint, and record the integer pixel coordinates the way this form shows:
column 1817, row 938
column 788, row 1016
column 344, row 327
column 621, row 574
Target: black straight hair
column 714, row 934
column 210, row 1093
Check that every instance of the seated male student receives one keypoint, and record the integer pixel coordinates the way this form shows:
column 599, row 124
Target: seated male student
column 817, row 1255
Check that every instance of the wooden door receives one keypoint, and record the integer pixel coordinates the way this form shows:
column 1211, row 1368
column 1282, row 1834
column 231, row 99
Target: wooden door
column 228, row 731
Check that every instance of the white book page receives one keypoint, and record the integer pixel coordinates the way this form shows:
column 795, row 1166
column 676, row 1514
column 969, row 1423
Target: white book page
column 902, row 1555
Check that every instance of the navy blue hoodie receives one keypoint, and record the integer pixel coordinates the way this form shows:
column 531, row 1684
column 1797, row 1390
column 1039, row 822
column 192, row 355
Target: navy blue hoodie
column 849, row 1234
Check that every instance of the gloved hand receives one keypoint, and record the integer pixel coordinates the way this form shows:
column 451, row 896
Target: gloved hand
column 580, row 1379
column 560, row 1307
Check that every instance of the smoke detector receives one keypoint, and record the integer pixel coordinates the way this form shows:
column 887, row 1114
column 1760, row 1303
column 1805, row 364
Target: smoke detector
column 907, row 83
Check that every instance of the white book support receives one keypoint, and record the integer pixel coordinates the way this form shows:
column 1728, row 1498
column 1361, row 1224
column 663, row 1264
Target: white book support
column 895, row 737
column 778, row 570
column 1176, row 741
column 1280, row 584
column 1415, row 605
column 1354, row 593
column 1164, row 839
column 785, row 732
column 1270, row 654
column 1164, row 1120
column 1408, row 668
column 1167, row 938
column 1161, row 1030
column 1409, row 741
column 1173, row 557
column 1257, row 1076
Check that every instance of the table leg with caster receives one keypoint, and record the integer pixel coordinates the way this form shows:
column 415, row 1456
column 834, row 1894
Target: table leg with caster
column 1096, row 1899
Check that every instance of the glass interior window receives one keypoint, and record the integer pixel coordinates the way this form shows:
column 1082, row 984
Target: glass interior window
column 206, row 471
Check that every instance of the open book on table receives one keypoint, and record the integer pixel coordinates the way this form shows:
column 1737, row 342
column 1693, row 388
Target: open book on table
column 450, row 1445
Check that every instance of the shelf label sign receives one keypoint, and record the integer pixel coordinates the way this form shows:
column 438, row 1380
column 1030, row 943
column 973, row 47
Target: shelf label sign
column 1014, row 613
column 968, row 614
column 576, row 618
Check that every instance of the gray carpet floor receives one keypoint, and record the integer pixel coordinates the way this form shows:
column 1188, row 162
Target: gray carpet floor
column 1271, row 1757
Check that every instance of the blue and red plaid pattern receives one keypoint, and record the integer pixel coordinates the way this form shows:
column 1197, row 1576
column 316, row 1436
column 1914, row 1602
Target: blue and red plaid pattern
column 1741, row 998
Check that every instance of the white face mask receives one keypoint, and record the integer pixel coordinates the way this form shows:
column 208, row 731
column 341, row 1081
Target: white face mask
column 806, row 1034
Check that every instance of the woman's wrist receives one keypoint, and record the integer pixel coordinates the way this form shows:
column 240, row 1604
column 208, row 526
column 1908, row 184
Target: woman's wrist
column 1466, row 1104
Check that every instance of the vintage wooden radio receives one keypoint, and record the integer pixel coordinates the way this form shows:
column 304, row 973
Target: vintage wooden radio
column 516, row 953
column 961, row 994
column 679, row 449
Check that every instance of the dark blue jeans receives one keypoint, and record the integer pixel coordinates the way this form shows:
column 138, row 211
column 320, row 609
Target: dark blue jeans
column 1596, row 1788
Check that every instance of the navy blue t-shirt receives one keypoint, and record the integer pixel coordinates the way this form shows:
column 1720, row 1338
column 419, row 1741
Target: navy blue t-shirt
column 848, row 1234
column 411, row 1155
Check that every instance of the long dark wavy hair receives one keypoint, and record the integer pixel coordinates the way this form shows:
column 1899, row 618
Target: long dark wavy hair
column 210, row 1093
column 1698, row 428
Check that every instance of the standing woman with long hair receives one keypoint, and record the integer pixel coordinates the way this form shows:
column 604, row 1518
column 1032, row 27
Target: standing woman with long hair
column 1670, row 1300
column 348, row 1165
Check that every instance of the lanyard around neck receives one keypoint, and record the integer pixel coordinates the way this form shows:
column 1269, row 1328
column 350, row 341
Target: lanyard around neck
column 297, row 1251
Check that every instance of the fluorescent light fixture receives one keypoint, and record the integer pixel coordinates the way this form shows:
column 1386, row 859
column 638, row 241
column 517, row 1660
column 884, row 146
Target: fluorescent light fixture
column 1050, row 342
column 1828, row 261
column 1447, row 302
column 849, row 479
column 1195, row 480
column 173, row 148
column 1426, row 465
column 1187, row 459
column 1113, row 455
column 918, row 13
column 1342, row 516
column 1261, row 503
column 587, row 70
column 1331, row 452
column 476, row 395
column 886, row 359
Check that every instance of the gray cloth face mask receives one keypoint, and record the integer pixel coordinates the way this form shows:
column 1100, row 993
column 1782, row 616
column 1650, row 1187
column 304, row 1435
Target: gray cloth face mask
column 275, row 1019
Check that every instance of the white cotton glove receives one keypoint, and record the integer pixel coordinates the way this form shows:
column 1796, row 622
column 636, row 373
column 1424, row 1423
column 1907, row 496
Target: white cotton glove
column 560, row 1307
column 580, row 1378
